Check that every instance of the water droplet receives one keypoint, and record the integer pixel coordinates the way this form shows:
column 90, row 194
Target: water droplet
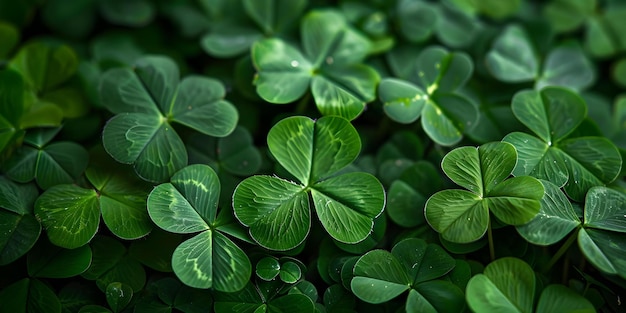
column 295, row 63
column 329, row 60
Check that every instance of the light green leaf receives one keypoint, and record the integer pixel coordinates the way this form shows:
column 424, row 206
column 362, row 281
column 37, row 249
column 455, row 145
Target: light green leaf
column 312, row 150
column 551, row 113
column 402, row 101
column 515, row 201
column 606, row 250
column 567, row 67
column 605, row 209
column 460, row 216
column 277, row 211
column 284, row 73
column 536, row 158
column 511, row 58
column 347, row 204
column 446, row 117
column 507, row 285
column 290, row 272
column 556, row 218
column 379, row 277
column 590, row 161
column 70, row 215
column 560, row 299
column 344, row 90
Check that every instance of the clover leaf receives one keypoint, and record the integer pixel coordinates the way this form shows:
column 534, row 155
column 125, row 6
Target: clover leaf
column 71, row 213
column 49, row 164
column 491, row 291
column 600, row 234
column 278, row 211
column 462, row 216
column 412, row 265
column 329, row 63
column 576, row 163
column 262, row 297
column 437, row 75
column 111, row 263
column 187, row 205
column 147, row 99
column 50, row 95
column 513, row 59
column 234, row 34
column 21, row 228
column 30, row 295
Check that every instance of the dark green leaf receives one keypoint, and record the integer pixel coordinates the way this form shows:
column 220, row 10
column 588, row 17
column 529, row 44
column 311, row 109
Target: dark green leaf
column 118, row 296
column 29, row 295
column 50, row 261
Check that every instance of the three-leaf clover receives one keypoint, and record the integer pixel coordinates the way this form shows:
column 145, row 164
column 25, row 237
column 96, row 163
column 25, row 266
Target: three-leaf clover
column 329, row 63
column 188, row 204
column 575, row 163
column 412, row 265
column 147, row 99
column 462, row 216
column 434, row 78
column 278, row 211
column 49, row 164
column 512, row 59
column 600, row 234
column 71, row 213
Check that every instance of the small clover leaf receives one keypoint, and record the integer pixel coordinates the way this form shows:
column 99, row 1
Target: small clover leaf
column 412, row 265
column 435, row 77
column 463, row 216
column 189, row 204
column 147, row 99
column 329, row 64
column 262, row 297
column 576, row 163
column 278, row 211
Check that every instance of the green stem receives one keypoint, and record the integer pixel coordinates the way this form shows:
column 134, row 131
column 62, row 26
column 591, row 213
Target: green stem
column 561, row 251
column 492, row 250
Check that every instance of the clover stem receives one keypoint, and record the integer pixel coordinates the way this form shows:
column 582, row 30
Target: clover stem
column 492, row 251
column 566, row 245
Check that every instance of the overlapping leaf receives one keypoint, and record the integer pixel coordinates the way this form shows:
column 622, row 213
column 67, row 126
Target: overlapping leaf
column 463, row 216
column 329, row 64
column 188, row 205
column 20, row 227
column 438, row 75
column 146, row 100
column 575, row 163
column 413, row 265
column 491, row 291
column 278, row 211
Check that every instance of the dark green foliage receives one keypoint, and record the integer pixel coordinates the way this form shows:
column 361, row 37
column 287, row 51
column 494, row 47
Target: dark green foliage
column 312, row 156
